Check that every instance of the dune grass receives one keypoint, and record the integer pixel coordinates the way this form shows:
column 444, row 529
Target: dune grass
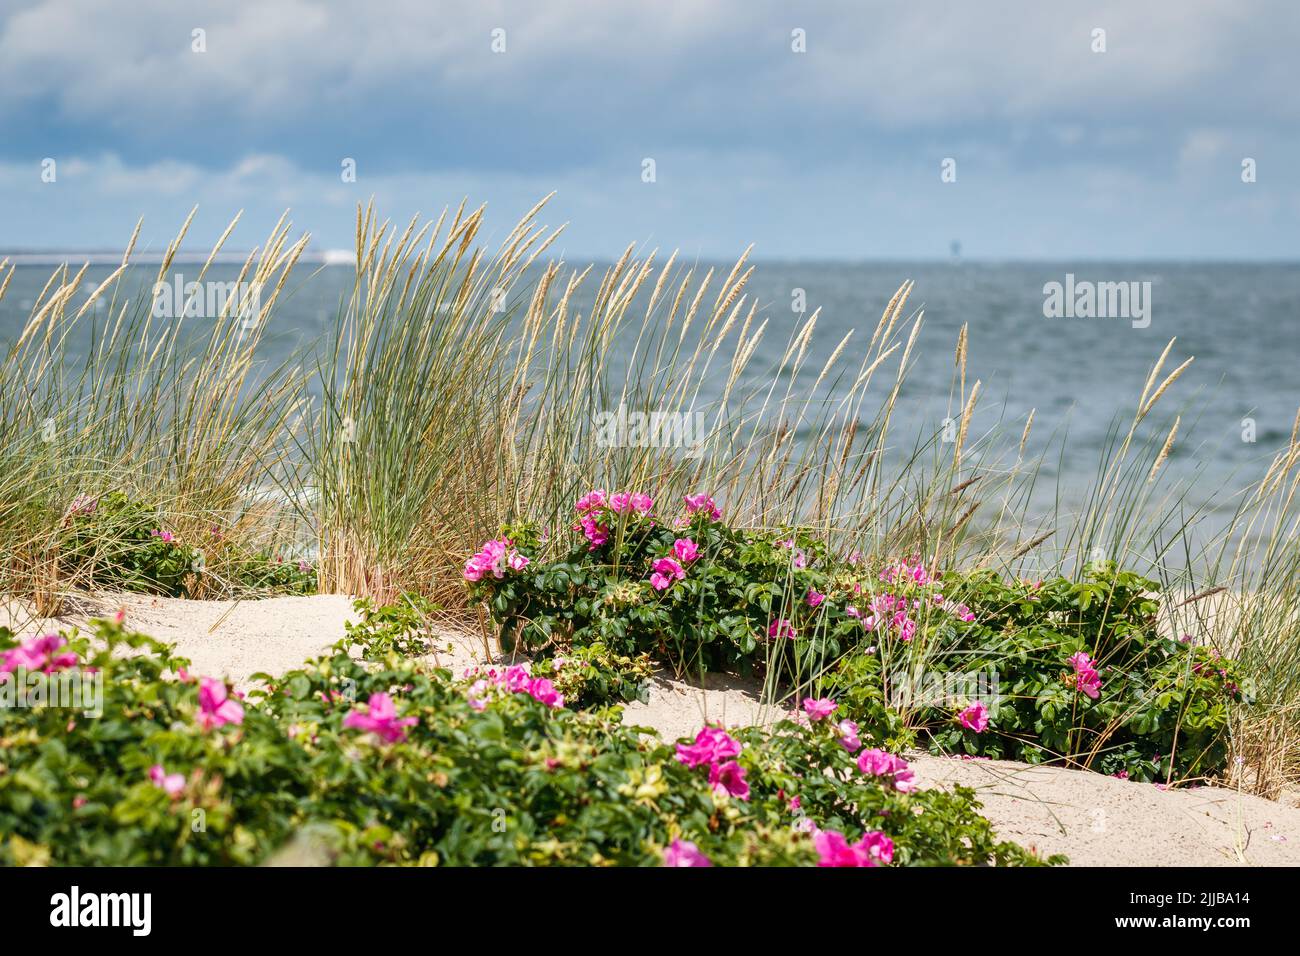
column 459, row 389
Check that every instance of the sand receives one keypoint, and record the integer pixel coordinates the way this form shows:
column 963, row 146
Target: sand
column 1094, row 819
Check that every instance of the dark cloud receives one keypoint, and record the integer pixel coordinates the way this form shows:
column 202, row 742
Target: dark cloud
column 1050, row 137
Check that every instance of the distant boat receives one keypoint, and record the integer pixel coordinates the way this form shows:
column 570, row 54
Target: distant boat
column 339, row 257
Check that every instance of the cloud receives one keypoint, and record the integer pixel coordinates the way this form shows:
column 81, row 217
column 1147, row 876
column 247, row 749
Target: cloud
column 804, row 151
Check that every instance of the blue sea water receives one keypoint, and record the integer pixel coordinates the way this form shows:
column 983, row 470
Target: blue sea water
column 1240, row 321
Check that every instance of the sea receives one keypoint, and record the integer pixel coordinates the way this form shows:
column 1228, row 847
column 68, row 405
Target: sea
column 1074, row 342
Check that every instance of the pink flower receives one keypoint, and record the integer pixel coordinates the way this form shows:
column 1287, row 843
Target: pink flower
column 666, row 571
column 684, row 853
column 633, row 502
column 216, row 707
column 702, row 502
column 814, row 597
column 975, row 717
column 729, row 777
column 38, row 654
column 517, row 679
column 855, row 557
column 819, row 708
column 166, row 536
column 494, row 557
column 781, row 628
column 381, row 718
column 798, row 557
column 173, row 783
column 833, row 849
column 684, row 549
column 477, row 695
column 712, row 744
column 902, row 572
column 849, row 736
column 589, row 501
column 595, row 532
column 1086, row 677
column 83, row 505
column 543, row 691
column 877, row 763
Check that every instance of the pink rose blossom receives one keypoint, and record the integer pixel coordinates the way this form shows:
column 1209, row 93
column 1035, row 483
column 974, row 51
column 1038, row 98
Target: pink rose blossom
column 172, row 784
column 975, row 717
column 781, row 628
column 595, row 532
column 684, row 853
column 711, row 745
column 477, row 695
column 380, row 718
column 874, row 849
column 1086, row 676
column 819, row 708
column 631, row 502
column 684, row 549
column 702, row 502
column 543, row 691
column 518, row 678
column 216, row 707
column 589, row 501
column 729, row 777
column 877, row 763
column 814, row 597
column 666, row 571
column 38, row 654
column 494, row 557
column 849, row 739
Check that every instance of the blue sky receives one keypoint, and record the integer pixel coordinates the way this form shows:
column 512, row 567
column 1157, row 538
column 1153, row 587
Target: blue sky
column 832, row 153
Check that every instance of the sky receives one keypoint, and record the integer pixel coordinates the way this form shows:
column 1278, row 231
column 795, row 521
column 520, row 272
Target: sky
column 839, row 131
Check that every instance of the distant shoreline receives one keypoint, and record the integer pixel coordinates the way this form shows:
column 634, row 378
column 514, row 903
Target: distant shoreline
column 328, row 257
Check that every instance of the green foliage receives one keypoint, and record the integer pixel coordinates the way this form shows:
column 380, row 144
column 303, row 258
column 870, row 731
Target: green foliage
column 881, row 642
column 593, row 676
column 275, row 574
column 720, row 616
column 116, row 542
column 1161, row 711
column 514, row 783
column 401, row 627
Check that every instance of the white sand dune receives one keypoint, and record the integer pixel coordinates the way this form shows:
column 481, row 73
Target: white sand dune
column 1096, row 820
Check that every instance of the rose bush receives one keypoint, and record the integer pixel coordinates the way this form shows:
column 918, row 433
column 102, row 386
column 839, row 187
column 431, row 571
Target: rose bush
column 117, row 542
column 1082, row 673
column 390, row 761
